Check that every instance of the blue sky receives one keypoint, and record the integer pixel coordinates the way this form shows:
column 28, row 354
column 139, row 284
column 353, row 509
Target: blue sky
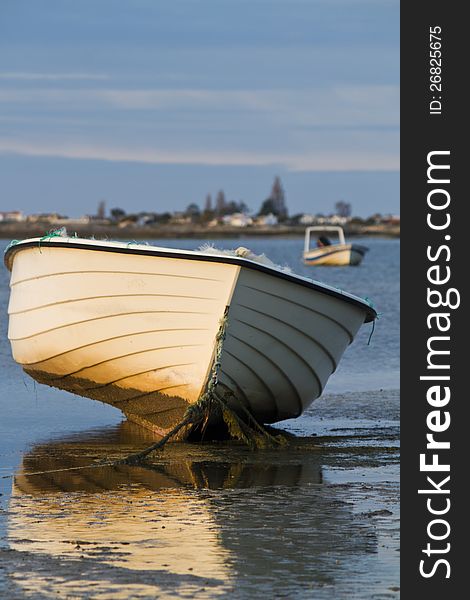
column 152, row 104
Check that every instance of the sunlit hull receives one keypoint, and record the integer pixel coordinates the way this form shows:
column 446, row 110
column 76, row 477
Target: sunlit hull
column 336, row 255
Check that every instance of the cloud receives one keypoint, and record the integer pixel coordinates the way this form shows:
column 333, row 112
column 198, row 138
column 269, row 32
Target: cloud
column 25, row 76
column 329, row 160
column 335, row 128
column 340, row 105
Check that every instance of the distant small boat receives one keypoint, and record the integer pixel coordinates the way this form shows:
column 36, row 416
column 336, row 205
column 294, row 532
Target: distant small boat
column 331, row 254
column 138, row 327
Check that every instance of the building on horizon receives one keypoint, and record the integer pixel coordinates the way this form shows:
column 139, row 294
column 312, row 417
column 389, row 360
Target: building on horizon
column 15, row 216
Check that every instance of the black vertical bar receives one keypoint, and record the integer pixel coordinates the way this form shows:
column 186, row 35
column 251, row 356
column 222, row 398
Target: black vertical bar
column 434, row 66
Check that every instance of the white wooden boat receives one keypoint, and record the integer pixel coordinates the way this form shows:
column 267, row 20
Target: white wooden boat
column 136, row 326
column 329, row 254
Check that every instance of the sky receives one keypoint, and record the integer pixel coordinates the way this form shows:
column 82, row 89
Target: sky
column 151, row 105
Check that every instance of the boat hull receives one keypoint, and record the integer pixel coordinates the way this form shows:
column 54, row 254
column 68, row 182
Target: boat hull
column 138, row 329
column 336, row 255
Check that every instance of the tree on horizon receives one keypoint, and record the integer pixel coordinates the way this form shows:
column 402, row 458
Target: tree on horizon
column 343, row 209
column 208, row 204
column 101, row 212
column 193, row 212
column 220, row 202
column 276, row 201
column 117, row 213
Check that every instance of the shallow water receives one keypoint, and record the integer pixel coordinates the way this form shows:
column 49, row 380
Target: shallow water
column 319, row 519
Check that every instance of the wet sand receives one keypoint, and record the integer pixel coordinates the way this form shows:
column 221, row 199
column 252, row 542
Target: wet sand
column 319, row 519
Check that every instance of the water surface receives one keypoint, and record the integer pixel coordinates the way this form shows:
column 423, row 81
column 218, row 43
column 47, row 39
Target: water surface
column 317, row 520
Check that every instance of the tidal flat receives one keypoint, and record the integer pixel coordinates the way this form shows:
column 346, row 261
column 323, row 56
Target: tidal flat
column 318, row 519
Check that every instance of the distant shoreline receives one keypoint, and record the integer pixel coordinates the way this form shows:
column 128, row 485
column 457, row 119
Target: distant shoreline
column 24, row 231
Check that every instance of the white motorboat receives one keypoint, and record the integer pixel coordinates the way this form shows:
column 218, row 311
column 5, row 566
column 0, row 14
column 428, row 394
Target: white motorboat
column 139, row 327
column 331, row 254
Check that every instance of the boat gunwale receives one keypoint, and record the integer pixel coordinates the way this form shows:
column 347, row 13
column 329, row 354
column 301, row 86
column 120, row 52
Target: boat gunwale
column 97, row 245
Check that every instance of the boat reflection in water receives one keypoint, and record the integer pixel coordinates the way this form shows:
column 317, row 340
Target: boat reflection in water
column 202, row 520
